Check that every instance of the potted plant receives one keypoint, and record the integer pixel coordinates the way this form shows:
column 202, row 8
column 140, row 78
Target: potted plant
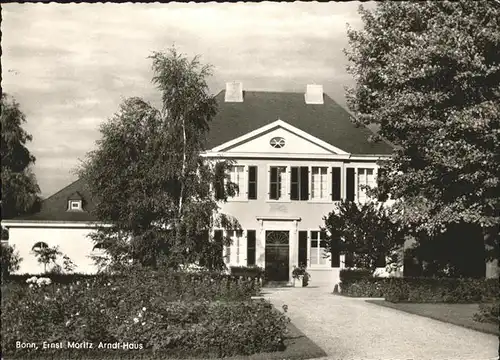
column 300, row 276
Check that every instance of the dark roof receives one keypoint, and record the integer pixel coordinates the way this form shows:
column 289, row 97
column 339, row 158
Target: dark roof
column 75, row 196
column 328, row 122
column 55, row 207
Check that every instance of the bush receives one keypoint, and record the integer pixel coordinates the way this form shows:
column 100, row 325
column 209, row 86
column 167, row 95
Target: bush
column 248, row 271
column 349, row 275
column 59, row 278
column 140, row 309
column 424, row 290
column 9, row 259
column 489, row 313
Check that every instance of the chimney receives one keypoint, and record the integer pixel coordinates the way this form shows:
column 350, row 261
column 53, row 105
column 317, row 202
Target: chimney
column 314, row 94
column 234, row 92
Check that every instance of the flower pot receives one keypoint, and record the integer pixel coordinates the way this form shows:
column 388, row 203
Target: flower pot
column 298, row 282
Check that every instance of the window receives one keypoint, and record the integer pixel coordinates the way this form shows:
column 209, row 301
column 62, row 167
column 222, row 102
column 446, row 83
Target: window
column 236, row 176
column 252, row 182
column 39, row 245
column 75, row 205
column 277, row 182
column 251, row 242
column 319, row 184
column 319, row 255
column 236, row 243
column 227, row 254
column 277, row 142
column 299, row 183
column 99, row 247
column 366, row 177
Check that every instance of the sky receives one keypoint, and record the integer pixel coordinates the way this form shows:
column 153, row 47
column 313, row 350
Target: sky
column 69, row 66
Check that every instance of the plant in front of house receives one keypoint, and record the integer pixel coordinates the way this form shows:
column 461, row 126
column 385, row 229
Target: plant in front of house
column 367, row 230
column 173, row 313
column 300, row 276
column 47, row 255
column 489, row 312
column 10, row 259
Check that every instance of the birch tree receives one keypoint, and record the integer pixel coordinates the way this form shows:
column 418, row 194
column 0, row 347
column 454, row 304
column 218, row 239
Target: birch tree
column 147, row 175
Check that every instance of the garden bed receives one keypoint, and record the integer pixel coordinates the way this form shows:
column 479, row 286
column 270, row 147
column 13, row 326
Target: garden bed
column 165, row 315
column 298, row 347
column 457, row 314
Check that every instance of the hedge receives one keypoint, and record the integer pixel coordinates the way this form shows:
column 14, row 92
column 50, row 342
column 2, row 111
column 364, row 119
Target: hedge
column 489, row 313
column 170, row 284
column 349, row 275
column 248, row 271
column 424, row 290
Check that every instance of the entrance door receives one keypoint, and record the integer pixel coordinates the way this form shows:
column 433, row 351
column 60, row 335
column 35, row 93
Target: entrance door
column 277, row 255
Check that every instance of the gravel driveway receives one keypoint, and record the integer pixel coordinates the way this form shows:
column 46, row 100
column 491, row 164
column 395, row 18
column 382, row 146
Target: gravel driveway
column 347, row 328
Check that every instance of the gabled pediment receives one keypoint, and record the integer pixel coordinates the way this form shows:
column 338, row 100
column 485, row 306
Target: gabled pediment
column 278, row 137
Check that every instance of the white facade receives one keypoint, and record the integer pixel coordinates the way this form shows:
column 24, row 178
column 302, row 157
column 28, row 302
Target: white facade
column 71, row 239
column 264, row 212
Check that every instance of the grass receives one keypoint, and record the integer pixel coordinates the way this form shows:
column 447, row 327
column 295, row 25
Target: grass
column 457, row 314
column 298, row 347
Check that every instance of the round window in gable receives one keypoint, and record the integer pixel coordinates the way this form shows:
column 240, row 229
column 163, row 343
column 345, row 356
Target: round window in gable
column 277, row 142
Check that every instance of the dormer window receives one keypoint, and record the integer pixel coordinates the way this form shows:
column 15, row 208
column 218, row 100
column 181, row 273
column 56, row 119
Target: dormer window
column 75, row 202
column 75, row 205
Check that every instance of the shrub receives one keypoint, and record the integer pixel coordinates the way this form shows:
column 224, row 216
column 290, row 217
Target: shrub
column 348, row 275
column 9, row 259
column 488, row 313
column 421, row 290
column 301, row 272
column 120, row 310
column 248, row 271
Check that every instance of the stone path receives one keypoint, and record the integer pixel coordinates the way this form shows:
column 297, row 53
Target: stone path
column 347, row 328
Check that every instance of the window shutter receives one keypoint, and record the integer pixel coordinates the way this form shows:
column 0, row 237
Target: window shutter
column 350, row 184
column 336, row 184
column 304, row 183
column 335, row 252
column 251, row 247
column 380, row 174
column 380, row 261
column 252, row 182
column 294, row 183
column 349, row 260
column 302, row 248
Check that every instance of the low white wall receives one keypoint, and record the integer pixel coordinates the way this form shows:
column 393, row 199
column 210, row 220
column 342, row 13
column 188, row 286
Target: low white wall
column 73, row 242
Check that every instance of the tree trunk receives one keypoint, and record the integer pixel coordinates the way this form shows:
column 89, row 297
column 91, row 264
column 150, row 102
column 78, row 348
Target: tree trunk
column 490, row 237
column 183, row 171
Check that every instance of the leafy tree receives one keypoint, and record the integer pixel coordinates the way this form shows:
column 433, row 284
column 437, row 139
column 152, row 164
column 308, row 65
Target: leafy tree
column 147, row 176
column 367, row 231
column 20, row 191
column 428, row 74
column 47, row 255
column 10, row 259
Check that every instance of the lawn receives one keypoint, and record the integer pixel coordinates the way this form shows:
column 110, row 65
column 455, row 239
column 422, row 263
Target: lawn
column 457, row 314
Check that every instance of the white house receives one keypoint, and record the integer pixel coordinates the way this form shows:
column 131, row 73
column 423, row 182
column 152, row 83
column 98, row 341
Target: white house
column 296, row 155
